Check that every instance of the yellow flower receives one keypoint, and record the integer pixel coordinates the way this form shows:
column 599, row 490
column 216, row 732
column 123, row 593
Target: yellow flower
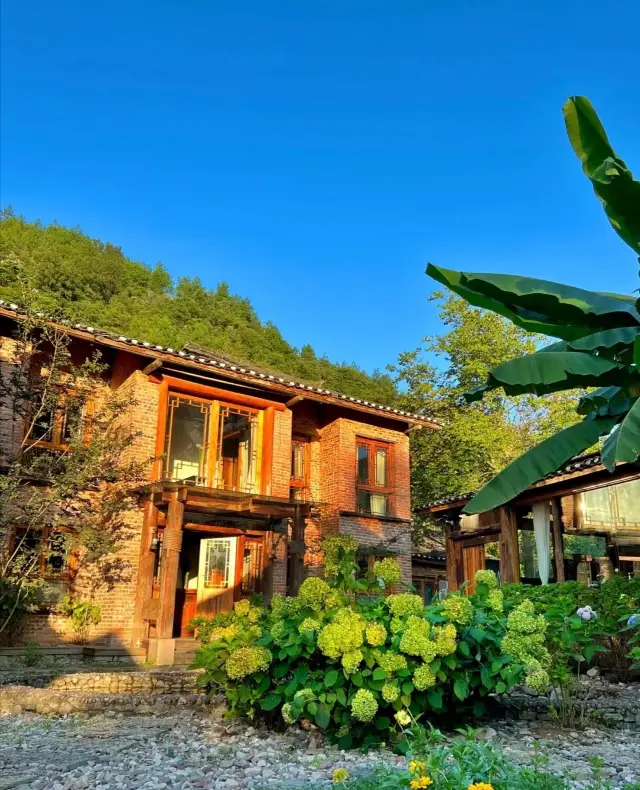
column 480, row 786
column 416, row 767
column 418, row 784
column 340, row 775
column 403, row 718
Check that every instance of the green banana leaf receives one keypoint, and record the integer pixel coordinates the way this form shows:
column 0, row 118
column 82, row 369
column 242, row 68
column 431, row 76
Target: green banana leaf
column 612, row 180
column 540, row 305
column 624, row 443
column 550, row 371
column 612, row 343
column 600, row 397
column 540, row 461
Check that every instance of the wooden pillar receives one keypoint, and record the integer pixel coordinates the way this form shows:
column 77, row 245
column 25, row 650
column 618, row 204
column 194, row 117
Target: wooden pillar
column 171, row 545
column 509, row 554
column 296, row 551
column 146, row 564
column 455, row 566
column 558, row 542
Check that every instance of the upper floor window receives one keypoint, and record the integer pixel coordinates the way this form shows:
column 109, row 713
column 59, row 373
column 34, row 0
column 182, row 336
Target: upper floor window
column 299, row 469
column 43, row 553
column 211, row 443
column 373, row 485
column 54, row 426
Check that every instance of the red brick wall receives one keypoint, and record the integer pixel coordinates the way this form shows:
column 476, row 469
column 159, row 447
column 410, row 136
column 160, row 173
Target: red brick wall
column 281, row 463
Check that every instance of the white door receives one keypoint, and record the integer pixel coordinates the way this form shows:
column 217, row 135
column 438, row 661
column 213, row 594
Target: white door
column 216, row 575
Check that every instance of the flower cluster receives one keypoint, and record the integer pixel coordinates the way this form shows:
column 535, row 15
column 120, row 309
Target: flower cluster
column 254, row 614
column 351, row 661
column 313, row 592
column 284, row 607
column 364, row 706
column 404, row 604
column 375, row 634
column 488, row 578
column 247, row 660
column 457, row 609
column 524, row 641
column 242, row 608
column 480, row 786
column 634, row 620
column 332, row 546
column 417, row 767
column 278, row 630
column 227, row 632
column 344, row 634
column 388, row 570
column 288, row 714
column 419, row 784
column 308, row 624
column 423, row 678
column 415, row 639
column 390, row 692
column 444, row 638
column 340, row 775
column 495, row 601
column 586, row 613
column 403, row 718
column 390, row 662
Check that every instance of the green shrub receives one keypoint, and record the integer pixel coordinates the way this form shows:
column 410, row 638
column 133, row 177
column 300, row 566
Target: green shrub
column 83, row 615
column 359, row 666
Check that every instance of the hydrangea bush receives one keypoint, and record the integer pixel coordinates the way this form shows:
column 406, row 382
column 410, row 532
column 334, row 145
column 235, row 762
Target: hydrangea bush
column 356, row 663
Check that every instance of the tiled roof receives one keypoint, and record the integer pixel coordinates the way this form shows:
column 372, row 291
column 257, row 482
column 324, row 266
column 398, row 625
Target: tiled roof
column 577, row 464
column 220, row 365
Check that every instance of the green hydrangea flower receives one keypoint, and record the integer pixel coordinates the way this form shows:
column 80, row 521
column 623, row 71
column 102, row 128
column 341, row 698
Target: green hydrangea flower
column 495, row 601
column 405, row 603
column 330, row 546
column 335, row 600
column 241, row 608
column 303, row 697
column 423, row 678
column 457, row 609
column 351, row 661
column 525, row 642
column 375, row 634
column 277, row 632
column 287, row 713
column 444, row 638
column 388, row 570
column 309, row 624
column 344, row 634
column 364, row 706
column 284, row 607
column 390, row 661
column 390, row 692
column 227, row 632
column 313, row 592
column 396, row 625
column 538, row 680
column 415, row 639
column 487, row 578
column 246, row 661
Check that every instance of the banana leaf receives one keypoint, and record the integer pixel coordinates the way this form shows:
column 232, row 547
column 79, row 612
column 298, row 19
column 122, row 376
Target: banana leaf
column 612, row 180
column 600, row 397
column 612, row 343
column 550, row 371
column 540, row 461
column 624, row 443
column 541, row 305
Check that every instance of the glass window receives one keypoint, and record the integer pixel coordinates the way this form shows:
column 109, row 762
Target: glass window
column 363, row 463
column 57, row 554
column 186, row 441
column 373, row 487
column 298, row 461
column 381, row 467
column 217, row 566
column 236, row 456
column 613, row 506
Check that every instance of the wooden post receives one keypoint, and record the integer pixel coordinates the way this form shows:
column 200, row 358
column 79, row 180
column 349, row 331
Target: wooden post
column 296, row 551
column 509, row 554
column 558, row 542
column 455, row 567
column 171, row 545
column 146, row 563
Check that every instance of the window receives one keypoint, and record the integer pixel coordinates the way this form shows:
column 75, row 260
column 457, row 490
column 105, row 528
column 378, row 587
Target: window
column 45, row 553
column 186, row 441
column 373, row 484
column 236, row 457
column 55, row 426
column 218, row 565
column 299, row 469
column 615, row 506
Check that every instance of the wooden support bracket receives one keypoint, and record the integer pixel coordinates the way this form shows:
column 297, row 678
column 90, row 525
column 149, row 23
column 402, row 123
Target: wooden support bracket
column 152, row 366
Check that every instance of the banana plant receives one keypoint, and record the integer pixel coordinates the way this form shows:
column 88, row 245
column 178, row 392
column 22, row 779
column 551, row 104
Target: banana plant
column 597, row 334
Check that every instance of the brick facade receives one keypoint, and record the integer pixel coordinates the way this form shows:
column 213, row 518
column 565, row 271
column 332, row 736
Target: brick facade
column 331, row 434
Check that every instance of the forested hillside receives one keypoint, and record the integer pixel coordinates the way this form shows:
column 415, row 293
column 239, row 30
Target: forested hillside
column 96, row 282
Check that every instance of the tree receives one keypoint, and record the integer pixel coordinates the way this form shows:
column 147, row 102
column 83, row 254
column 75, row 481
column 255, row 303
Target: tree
column 599, row 333
column 478, row 439
column 68, row 476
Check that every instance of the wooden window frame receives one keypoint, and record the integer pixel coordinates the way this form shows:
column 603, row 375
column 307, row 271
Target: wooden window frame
column 301, row 483
column 388, row 490
column 60, row 413
column 45, row 534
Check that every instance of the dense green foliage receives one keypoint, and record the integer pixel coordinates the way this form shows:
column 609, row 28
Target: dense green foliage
column 599, row 333
column 97, row 283
column 357, row 664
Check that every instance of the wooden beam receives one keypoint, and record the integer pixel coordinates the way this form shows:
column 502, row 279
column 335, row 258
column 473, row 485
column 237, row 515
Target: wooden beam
column 459, row 534
column 217, row 393
column 556, row 534
column 416, row 427
column 296, row 556
column 146, row 564
column 509, row 552
column 171, row 545
column 152, row 366
column 292, row 401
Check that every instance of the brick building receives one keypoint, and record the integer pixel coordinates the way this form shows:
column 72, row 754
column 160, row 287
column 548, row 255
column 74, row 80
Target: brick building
column 252, row 470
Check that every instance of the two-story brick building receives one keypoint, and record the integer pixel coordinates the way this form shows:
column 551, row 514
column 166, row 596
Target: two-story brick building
column 252, row 470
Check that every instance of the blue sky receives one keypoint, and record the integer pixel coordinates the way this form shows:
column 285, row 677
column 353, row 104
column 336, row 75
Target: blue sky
column 316, row 154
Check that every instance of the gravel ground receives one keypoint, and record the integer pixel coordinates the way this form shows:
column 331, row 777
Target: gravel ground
column 195, row 750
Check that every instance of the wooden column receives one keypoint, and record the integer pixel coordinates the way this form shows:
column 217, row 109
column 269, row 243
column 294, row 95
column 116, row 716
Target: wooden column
column 296, row 551
column 171, row 545
column 509, row 554
column 146, row 564
column 455, row 567
column 558, row 541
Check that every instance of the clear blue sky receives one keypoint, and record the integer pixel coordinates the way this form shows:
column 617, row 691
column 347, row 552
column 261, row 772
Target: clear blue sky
column 316, row 154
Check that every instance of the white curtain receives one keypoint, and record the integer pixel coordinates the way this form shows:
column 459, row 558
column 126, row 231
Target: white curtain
column 542, row 532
